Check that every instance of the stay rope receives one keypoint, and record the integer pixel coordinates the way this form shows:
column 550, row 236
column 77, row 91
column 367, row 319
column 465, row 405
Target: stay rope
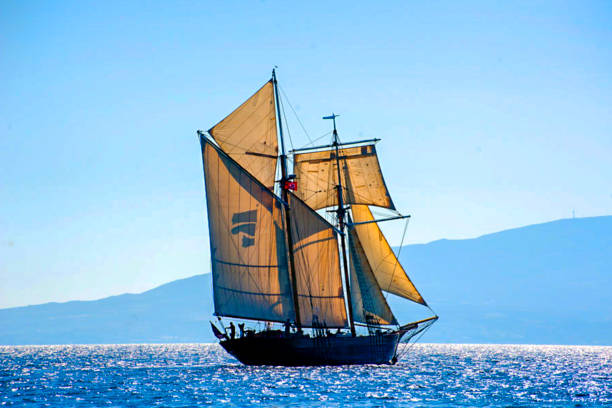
column 398, row 255
column 295, row 113
column 416, row 336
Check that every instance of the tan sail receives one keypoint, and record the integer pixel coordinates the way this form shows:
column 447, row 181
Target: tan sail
column 317, row 268
column 369, row 304
column 248, row 251
column 388, row 271
column 248, row 135
column 362, row 178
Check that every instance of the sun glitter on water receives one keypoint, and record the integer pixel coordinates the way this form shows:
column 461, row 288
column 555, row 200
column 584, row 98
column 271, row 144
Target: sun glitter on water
column 202, row 374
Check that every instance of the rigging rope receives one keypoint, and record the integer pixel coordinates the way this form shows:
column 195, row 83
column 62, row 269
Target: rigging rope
column 409, row 345
column 295, row 113
column 397, row 256
column 317, row 139
column 282, row 108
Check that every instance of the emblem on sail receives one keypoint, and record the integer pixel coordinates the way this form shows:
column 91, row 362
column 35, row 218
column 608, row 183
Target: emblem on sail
column 245, row 222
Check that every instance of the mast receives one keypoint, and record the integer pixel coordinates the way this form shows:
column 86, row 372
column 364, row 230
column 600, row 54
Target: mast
column 341, row 224
column 284, row 195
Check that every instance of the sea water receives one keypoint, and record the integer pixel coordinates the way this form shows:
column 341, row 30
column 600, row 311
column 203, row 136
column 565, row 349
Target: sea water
column 182, row 375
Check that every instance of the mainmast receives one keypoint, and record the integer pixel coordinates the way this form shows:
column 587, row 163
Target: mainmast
column 341, row 212
column 284, row 195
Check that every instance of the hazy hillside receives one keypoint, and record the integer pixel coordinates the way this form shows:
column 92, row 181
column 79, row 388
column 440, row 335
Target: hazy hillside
column 175, row 312
column 545, row 283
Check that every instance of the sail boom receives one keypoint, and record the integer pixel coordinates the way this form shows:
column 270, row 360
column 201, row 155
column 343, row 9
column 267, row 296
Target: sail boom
column 384, row 326
column 399, row 217
column 248, row 318
column 332, row 146
column 269, row 156
column 306, row 326
column 423, row 320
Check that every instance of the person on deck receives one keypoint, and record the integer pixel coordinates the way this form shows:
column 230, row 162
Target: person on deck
column 288, row 327
column 232, row 330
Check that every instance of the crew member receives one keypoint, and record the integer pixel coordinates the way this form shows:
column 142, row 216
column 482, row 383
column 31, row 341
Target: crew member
column 232, row 330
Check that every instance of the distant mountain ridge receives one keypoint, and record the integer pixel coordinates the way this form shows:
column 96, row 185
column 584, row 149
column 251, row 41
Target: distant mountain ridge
column 545, row 283
column 174, row 312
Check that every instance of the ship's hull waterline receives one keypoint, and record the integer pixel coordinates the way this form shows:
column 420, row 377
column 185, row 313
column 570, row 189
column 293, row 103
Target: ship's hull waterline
column 314, row 351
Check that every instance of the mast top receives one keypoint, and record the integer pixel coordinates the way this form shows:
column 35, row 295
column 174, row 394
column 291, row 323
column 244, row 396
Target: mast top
column 333, row 117
column 274, row 73
column 280, row 126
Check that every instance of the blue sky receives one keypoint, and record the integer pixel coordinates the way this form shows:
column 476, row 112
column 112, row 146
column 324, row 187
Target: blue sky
column 492, row 115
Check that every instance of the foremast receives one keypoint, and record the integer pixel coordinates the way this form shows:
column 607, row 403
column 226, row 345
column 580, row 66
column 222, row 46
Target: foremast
column 285, row 197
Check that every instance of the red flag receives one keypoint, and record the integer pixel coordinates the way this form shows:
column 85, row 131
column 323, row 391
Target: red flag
column 291, row 185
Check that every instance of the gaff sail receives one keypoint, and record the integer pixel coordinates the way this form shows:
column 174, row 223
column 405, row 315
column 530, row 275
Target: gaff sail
column 248, row 135
column 317, row 268
column 247, row 242
column 389, row 273
column 369, row 304
column 362, row 180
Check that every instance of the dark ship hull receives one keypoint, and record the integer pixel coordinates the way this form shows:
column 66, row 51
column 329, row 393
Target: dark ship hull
column 299, row 350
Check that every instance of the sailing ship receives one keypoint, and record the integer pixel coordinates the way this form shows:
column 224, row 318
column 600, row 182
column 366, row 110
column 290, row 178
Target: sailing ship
column 312, row 287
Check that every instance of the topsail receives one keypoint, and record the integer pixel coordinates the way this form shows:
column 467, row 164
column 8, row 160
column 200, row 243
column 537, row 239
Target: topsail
column 362, row 179
column 248, row 135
